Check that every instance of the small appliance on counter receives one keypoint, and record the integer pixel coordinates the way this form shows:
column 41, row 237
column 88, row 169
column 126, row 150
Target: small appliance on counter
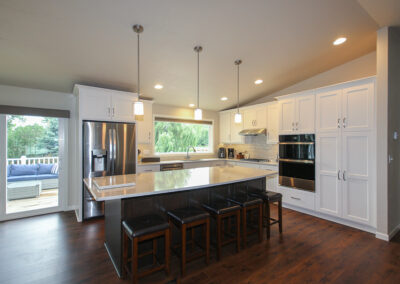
column 231, row 153
column 221, row 153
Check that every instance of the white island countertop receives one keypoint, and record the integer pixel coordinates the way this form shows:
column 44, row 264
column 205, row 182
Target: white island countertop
column 153, row 183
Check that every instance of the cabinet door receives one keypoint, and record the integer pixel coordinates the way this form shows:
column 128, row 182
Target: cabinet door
column 286, row 116
column 305, row 114
column 356, row 176
column 122, row 107
column 328, row 175
column 272, row 123
column 225, row 127
column 328, row 105
column 249, row 118
column 261, row 117
column 357, row 111
column 95, row 105
column 235, row 129
column 145, row 124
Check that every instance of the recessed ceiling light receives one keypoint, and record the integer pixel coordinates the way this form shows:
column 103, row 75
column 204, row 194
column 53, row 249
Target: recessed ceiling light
column 191, row 105
column 339, row 40
column 224, row 99
column 258, row 81
column 158, row 87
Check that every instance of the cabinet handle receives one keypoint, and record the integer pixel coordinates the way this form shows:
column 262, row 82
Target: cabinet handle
column 295, row 198
column 344, row 122
column 108, row 111
column 338, row 123
column 148, row 170
column 297, row 126
column 292, row 126
column 344, row 175
column 113, row 112
column 338, row 175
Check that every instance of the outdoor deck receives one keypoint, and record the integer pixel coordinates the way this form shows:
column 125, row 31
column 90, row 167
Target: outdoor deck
column 48, row 198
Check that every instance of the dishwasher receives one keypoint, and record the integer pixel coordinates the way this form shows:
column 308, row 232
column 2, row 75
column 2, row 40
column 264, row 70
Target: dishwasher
column 171, row 167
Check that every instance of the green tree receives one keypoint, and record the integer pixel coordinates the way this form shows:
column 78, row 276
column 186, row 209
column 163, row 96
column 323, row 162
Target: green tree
column 49, row 139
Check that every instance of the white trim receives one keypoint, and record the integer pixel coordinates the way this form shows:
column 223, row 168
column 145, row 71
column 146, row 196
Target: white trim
column 361, row 227
column 382, row 236
column 394, row 231
column 30, row 213
column 3, row 165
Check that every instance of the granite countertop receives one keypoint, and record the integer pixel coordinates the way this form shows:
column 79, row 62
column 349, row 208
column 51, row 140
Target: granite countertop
column 207, row 160
column 153, row 183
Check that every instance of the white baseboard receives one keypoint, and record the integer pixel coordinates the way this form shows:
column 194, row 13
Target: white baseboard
column 394, row 231
column 382, row 236
column 361, row 227
column 77, row 215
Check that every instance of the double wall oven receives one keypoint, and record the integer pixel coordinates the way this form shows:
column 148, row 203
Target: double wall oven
column 297, row 161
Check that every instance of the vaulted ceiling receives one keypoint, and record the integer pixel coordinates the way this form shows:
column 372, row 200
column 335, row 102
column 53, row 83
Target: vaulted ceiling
column 53, row 44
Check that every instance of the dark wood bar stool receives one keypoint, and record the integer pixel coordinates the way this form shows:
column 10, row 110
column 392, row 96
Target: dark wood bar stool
column 189, row 218
column 141, row 229
column 248, row 204
column 270, row 197
column 222, row 210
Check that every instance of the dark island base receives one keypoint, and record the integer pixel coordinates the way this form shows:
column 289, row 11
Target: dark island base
column 120, row 209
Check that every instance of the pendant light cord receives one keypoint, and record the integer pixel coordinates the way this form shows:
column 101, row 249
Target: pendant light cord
column 138, row 63
column 237, row 88
column 198, row 79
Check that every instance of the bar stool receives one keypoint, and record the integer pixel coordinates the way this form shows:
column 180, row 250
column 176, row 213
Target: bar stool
column 189, row 218
column 248, row 204
column 221, row 210
column 270, row 197
column 141, row 229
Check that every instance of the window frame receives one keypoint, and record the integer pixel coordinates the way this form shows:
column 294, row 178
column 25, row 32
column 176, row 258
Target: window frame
column 183, row 154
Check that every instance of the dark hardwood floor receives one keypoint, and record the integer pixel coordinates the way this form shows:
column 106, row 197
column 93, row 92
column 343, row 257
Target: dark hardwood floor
column 56, row 249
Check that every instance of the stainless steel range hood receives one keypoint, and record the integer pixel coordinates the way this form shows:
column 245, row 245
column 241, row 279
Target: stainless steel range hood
column 253, row 132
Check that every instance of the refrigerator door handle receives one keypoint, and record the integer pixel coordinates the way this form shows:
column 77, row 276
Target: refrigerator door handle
column 115, row 148
column 110, row 136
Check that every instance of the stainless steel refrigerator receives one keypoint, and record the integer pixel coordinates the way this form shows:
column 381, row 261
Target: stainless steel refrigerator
column 108, row 149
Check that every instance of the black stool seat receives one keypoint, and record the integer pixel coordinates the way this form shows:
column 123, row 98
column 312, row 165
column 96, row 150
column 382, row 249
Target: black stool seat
column 188, row 215
column 269, row 196
column 136, row 227
column 245, row 200
column 221, row 206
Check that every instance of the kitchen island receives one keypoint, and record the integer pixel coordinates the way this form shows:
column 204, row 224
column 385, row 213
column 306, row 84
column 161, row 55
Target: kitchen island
column 159, row 192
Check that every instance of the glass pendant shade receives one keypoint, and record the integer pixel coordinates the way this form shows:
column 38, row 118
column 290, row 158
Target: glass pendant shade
column 138, row 108
column 238, row 117
column 198, row 114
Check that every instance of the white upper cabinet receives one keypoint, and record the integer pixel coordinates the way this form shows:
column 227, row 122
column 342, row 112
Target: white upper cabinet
column 105, row 105
column 272, row 123
column 225, row 127
column 357, row 107
column 329, row 111
column 255, row 117
column 144, row 124
column 305, row 113
column 122, row 107
column 297, row 113
column 286, row 115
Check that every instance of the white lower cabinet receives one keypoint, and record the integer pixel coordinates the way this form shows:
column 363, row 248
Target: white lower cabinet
column 296, row 197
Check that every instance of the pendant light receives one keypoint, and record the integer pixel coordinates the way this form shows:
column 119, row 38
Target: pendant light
column 138, row 108
column 198, row 114
column 238, row 115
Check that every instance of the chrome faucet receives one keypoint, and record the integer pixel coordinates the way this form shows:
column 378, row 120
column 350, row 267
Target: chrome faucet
column 187, row 152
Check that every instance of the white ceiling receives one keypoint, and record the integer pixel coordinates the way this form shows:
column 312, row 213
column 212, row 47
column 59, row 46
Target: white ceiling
column 53, row 44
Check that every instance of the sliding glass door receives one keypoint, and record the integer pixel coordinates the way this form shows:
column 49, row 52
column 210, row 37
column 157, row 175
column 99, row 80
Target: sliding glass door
column 32, row 179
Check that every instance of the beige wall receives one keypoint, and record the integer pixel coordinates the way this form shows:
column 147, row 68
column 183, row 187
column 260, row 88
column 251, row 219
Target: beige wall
column 187, row 113
column 364, row 66
column 393, row 125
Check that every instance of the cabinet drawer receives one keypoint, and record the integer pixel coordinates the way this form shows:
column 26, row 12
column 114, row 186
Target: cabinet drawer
column 298, row 197
column 218, row 163
column 147, row 168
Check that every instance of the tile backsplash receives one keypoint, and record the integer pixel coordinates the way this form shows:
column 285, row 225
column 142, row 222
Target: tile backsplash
column 256, row 146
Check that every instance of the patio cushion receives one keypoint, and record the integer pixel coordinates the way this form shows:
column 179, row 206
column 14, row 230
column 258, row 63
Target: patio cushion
column 22, row 178
column 49, row 176
column 23, row 170
column 45, row 169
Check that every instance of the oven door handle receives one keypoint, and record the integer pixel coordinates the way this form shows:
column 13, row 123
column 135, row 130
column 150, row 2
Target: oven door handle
column 297, row 161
